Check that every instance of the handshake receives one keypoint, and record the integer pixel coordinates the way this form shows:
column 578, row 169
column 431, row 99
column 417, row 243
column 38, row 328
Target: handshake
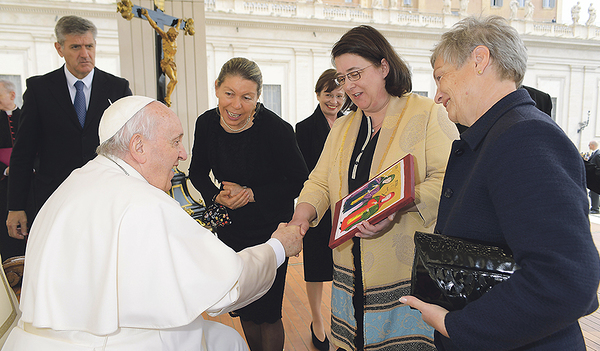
column 290, row 237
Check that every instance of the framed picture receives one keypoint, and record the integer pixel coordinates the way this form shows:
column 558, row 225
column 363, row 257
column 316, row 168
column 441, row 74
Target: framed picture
column 386, row 193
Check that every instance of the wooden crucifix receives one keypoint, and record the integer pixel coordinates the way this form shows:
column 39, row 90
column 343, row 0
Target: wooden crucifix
column 166, row 42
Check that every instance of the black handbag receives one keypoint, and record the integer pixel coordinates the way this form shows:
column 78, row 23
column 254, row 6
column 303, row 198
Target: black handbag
column 451, row 272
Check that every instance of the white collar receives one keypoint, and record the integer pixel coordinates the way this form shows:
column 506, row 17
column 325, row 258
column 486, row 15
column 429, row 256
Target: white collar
column 10, row 112
column 122, row 165
column 71, row 79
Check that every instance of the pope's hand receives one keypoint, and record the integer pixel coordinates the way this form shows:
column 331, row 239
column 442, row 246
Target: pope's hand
column 290, row 237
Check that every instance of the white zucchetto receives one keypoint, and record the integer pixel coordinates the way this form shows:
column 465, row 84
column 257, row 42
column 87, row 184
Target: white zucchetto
column 118, row 113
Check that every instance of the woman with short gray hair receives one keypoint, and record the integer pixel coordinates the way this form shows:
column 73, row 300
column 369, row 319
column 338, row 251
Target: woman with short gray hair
column 515, row 180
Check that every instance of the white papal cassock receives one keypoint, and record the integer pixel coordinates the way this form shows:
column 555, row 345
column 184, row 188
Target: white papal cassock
column 113, row 263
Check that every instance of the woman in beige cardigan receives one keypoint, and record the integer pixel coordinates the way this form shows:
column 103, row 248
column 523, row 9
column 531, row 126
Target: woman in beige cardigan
column 372, row 271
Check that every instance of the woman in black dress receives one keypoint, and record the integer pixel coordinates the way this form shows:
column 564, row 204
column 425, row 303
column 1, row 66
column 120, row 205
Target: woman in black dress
column 318, row 262
column 254, row 156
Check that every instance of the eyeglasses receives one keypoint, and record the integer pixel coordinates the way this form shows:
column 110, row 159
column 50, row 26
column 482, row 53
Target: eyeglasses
column 330, row 96
column 352, row 76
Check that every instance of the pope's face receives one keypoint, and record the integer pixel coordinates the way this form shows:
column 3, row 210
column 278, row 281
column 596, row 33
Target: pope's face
column 165, row 149
column 79, row 52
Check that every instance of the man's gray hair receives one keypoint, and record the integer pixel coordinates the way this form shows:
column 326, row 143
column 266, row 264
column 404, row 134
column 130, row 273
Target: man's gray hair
column 142, row 123
column 8, row 85
column 507, row 49
column 73, row 25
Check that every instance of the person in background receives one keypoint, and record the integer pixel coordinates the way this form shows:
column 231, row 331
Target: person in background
column 594, row 159
column 9, row 124
column 592, row 176
column 252, row 152
column 153, row 270
column 59, row 120
column 543, row 101
column 513, row 179
column 311, row 134
column 373, row 270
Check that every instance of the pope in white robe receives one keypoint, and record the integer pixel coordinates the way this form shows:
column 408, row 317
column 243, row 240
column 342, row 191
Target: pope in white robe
column 114, row 263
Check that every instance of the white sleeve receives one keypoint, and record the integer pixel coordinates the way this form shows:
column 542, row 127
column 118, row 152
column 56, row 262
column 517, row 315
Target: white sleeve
column 258, row 274
column 279, row 250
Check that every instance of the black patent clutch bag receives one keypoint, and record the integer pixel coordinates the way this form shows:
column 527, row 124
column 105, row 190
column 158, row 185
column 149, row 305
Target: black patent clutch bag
column 451, row 272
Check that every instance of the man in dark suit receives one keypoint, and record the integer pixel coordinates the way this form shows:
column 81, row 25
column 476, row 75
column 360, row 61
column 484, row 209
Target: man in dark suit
column 592, row 173
column 59, row 121
column 9, row 122
column 594, row 159
column 543, row 101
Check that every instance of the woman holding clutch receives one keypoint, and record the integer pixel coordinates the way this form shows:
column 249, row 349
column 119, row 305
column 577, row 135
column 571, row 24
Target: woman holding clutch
column 372, row 270
column 513, row 179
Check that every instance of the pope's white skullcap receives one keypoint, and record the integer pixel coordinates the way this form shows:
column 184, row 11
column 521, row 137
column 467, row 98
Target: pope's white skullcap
column 118, row 113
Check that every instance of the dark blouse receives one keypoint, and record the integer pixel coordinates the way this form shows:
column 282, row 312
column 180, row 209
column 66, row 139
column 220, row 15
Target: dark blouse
column 264, row 157
column 366, row 156
column 363, row 169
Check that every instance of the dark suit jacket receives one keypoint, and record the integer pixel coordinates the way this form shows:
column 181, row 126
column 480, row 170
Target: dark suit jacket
column 595, row 157
column 543, row 101
column 50, row 131
column 592, row 174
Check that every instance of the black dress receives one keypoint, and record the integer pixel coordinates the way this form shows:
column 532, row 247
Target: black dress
column 311, row 134
column 265, row 158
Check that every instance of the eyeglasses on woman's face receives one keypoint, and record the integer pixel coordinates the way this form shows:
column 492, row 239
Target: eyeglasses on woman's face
column 352, row 76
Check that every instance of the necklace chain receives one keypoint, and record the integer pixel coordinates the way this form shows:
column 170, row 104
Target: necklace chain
column 229, row 127
column 376, row 126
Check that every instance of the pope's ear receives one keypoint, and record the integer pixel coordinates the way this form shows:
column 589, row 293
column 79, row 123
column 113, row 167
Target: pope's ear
column 136, row 148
